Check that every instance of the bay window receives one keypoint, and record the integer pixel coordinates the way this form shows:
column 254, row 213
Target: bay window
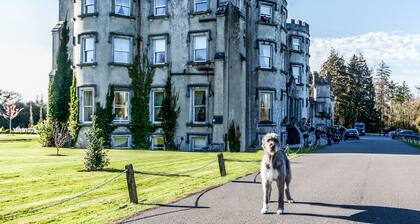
column 265, row 53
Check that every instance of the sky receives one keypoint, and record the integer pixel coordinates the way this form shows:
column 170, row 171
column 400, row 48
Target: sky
column 380, row 29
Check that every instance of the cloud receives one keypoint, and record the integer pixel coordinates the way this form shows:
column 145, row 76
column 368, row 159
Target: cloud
column 400, row 50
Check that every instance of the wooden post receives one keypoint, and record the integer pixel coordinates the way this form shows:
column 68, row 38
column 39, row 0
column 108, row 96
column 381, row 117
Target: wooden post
column 131, row 184
column 221, row 164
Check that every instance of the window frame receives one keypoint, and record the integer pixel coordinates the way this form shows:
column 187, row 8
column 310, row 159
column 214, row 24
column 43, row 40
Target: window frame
column 192, row 142
column 196, row 2
column 152, row 145
column 152, row 105
column 130, row 8
column 300, row 41
column 128, row 107
column 159, row 38
column 84, row 10
column 194, row 49
column 82, row 104
column 121, row 136
column 271, row 107
column 298, row 79
column 130, row 49
column 83, row 58
column 260, row 56
column 155, row 7
column 193, row 106
column 269, row 16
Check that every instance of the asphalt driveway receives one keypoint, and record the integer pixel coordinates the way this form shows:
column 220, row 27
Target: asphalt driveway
column 373, row 180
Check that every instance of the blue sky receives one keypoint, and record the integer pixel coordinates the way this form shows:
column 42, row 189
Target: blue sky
column 380, row 29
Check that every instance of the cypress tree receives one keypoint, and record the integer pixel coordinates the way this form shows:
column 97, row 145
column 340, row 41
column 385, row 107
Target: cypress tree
column 141, row 75
column 170, row 113
column 60, row 83
column 73, row 123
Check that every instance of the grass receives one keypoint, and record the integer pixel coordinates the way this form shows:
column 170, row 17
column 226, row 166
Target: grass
column 31, row 177
column 412, row 144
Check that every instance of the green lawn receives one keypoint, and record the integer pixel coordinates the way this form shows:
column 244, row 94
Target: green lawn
column 32, row 176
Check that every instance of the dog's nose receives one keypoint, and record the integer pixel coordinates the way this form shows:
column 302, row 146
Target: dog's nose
column 272, row 145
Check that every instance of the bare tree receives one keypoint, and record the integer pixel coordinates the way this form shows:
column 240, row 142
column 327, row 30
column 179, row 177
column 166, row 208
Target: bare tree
column 61, row 135
column 10, row 112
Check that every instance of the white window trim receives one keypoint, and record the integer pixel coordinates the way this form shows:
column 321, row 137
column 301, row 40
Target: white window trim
column 83, row 49
column 129, row 108
column 199, row 2
column 82, row 106
column 130, row 49
column 197, row 136
column 152, row 106
column 270, row 57
column 154, row 50
column 207, row 46
column 129, row 141
column 155, row 7
column 271, row 115
column 129, row 8
column 153, row 147
column 192, row 106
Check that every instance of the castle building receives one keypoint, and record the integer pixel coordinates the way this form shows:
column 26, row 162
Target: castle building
column 229, row 60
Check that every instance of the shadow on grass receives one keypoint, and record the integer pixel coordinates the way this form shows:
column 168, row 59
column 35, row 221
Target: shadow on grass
column 113, row 170
column 56, row 155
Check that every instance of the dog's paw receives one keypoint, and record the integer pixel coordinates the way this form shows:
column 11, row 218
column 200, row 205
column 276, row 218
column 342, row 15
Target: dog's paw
column 264, row 210
column 290, row 201
column 279, row 212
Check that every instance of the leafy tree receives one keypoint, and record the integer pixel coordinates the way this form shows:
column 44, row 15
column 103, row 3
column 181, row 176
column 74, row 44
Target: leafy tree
column 61, row 135
column 9, row 96
column 96, row 155
column 60, row 83
column 234, row 137
column 141, row 75
column 45, row 130
column 73, row 123
column 10, row 112
column 104, row 118
column 170, row 112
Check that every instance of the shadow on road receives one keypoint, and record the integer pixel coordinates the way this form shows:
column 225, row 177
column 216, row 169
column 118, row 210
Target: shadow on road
column 367, row 214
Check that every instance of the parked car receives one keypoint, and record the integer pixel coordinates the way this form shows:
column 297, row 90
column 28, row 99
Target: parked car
column 406, row 133
column 361, row 128
column 351, row 133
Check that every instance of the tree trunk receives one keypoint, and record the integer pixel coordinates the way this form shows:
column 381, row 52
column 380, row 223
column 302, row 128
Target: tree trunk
column 10, row 126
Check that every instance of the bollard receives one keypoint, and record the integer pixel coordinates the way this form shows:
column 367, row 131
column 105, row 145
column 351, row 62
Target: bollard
column 222, row 167
column 131, row 184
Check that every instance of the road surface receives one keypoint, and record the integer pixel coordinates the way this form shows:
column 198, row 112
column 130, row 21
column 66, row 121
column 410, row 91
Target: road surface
column 373, row 180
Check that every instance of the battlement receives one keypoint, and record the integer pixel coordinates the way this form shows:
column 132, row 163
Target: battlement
column 298, row 25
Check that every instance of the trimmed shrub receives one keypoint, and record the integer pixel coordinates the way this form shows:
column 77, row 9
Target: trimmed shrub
column 45, row 130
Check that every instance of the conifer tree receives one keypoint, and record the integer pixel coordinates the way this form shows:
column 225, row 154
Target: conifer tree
column 73, row 123
column 60, row 83
column 170, row 112
column 141, row 75
column 383, row 88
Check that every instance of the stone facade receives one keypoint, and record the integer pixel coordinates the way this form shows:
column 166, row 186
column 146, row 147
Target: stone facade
column 322, row 103
column 230, row 60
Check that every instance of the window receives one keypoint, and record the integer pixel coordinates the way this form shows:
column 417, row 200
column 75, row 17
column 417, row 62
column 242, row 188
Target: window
column 122, row 51
column 200, row 48
column 123, row 7
column 157, row 101
column 266, row 109
column 296, row 44
column 266, row 55
column 321, row 107
column 121, row 105
column 266, row 13
column 88, row 49
column 87, row 103
column 201, row 5
column 88, row 6
column 158, row 142
column 120, row 141
column 297, row 73
column 199, row 106
column 198, row 143
column 159, row 56
column 160, row 7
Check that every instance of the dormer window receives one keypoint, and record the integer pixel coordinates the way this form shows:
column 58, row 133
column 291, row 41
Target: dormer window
column 123, row 7
column 88, row 6
column 266, row 13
